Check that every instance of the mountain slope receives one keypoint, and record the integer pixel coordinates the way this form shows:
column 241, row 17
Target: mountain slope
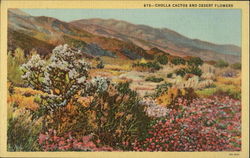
column 18, row 39
column 165, row 39
column 113, row 38
column 53, row 32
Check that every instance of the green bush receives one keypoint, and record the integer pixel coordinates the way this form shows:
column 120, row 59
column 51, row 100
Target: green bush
column 194, row 70
column 221, row 64
column 170, row 75
column 181, row 72
column 178, row 61
column 153, row 66
column 195, row 61
column 23, row 131
column 100, row 65
column 190, row 70
column 154, row 79
column 163, row 59
column 162, row 88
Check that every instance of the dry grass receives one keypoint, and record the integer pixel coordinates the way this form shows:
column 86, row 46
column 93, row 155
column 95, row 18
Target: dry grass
column 23, row 101
column 116, row 61
column 236, row 81
column 121, row 80
column 207, row 68
column 206, row 92
column 122, row 67
column 26, row 91
column 24, row 98
column 85, row 101
column 230, row 86
column 220, row 71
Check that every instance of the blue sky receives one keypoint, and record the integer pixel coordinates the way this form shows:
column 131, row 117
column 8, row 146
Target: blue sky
column 221, row 26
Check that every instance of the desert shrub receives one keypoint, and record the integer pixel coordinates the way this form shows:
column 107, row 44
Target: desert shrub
column 221, row 64
column 33, row 72
column 100, row 65
column 119, row 119
column 154, row 79
column 23, row 131
column 191, row 82
column 211, row 86
column 151, row 66
column 170, row 75
column 191, row 70
column 169, row 97
column 206, row 68
column 72, row 117
column 14, row 60
column 178, row 61
column 188, row 76
column 181, row 72
column 195, row 61
column 208, row 76
column 194, row 70
column 163, row 59
column 236, row 66
column 195, row 83
column 19, row 55
column 162, row 88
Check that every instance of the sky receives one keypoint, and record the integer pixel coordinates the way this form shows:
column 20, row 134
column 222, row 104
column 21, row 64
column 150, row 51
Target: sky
column 220, row 26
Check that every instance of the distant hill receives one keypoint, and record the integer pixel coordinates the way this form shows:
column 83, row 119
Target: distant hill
column 165, row 39
column 51, row 32
column 114, row 38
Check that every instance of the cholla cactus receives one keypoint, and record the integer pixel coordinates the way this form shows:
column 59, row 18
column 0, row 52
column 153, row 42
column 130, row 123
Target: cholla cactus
column 62, row 76
column 100, row 83
column 66, row 73
column 33, row 71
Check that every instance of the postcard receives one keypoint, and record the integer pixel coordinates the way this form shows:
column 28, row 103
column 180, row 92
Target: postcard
column 124, row 79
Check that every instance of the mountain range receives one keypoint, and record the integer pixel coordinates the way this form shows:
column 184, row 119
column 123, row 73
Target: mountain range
column 109, row 37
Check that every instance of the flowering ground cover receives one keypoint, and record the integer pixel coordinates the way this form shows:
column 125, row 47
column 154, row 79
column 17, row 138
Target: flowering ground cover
column 51, row 142
column 207, row 124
